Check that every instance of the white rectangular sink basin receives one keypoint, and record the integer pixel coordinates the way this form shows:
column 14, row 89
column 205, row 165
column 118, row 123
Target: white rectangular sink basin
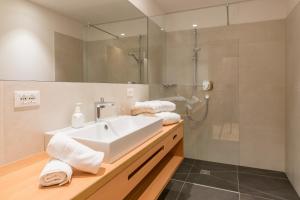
column 115, row 136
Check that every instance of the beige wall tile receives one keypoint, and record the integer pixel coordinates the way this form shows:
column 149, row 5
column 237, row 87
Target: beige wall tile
column 262, row 147
column 156, row 53
column 293, row 98
column 263, row 107
column 68, row 58
column 262, row 95
column 23, row 130
column 262, row 63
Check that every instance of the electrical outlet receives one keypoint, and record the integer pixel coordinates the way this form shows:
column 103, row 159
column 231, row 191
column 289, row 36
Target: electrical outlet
column 27, row 99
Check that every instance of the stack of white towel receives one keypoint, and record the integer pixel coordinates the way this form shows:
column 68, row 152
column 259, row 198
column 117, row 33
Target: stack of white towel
column 161, row 109
column 67, row 153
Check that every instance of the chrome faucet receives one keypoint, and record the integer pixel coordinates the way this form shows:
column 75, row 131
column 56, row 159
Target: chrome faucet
column 99, row 105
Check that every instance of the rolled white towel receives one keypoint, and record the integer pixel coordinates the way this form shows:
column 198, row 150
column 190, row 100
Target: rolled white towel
column 75, row 154
column 153, row 107
column 55, row 172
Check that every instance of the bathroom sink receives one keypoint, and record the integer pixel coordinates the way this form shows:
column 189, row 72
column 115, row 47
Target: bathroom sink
column 114, row 136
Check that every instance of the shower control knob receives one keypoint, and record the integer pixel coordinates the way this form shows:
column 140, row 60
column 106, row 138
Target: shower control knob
column 207, row 85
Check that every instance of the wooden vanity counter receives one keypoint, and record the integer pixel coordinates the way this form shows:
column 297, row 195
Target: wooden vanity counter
column 151, row 165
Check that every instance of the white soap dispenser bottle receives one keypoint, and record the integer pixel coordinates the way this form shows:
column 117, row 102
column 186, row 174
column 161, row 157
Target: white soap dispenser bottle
column 77, row 117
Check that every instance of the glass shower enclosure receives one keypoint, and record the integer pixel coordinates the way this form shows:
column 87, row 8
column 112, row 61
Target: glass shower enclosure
column 199, row 72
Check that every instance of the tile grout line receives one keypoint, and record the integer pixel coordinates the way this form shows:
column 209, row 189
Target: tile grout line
column 258, row 190
column 266, row 176
column 265, row 193
column 190, row 172
column 238, row 181
column 192, row 165
column 178, row 195
column 250, row 195
column 215, row 188
column 227, row 181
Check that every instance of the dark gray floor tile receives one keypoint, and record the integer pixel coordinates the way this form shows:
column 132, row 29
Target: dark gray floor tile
column 180, row 176
column 220, row 179
column 262, row 172
column 212, row 166
column 195, row 192
column 171, row 191
column 249, row 197
column 267, row 187
column 188, row 161
column 183, row 170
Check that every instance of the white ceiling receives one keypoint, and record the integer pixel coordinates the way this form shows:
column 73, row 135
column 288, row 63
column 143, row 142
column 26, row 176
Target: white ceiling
column 169, row 6
column 93, row 11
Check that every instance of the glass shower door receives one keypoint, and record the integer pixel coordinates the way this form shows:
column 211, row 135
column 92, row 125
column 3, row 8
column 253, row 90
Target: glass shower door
column 212, row 132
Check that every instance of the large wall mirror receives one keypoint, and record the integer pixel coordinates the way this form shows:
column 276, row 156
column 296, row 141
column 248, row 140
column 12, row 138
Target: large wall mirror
column 73, row 41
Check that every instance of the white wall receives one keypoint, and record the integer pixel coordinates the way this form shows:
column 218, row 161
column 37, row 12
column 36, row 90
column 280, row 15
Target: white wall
column 27, row 40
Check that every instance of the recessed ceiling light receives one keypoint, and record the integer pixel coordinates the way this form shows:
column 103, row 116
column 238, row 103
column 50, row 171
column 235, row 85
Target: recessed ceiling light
column 162, row 29
column 195, row 25
column 123, row 34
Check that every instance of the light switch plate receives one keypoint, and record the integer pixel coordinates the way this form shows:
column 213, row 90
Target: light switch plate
column 27, row 99
column 130, row 92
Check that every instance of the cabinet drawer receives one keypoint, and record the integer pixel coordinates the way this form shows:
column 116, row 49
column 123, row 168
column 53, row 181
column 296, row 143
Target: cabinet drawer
column 123, row 183
column 174, row 138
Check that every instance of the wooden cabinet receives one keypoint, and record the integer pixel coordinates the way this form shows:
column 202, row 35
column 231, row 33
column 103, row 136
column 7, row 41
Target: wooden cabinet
column 141, row 174
column 146, row 177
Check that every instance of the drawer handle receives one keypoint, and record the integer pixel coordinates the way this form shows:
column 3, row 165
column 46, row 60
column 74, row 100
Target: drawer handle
column 174, row 137
column 145, row 162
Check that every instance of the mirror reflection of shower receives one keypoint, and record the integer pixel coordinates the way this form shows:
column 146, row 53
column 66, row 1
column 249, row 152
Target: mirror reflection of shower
column 138, row 54
column 139, row 57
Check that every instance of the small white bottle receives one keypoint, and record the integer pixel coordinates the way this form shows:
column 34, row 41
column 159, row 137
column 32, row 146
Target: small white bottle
column 78, row 117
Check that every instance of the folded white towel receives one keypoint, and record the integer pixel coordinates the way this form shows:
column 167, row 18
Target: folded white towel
column 174, row 99
column 56, row 172
column 75, row 154
column 167, row 117
column 153, row 107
